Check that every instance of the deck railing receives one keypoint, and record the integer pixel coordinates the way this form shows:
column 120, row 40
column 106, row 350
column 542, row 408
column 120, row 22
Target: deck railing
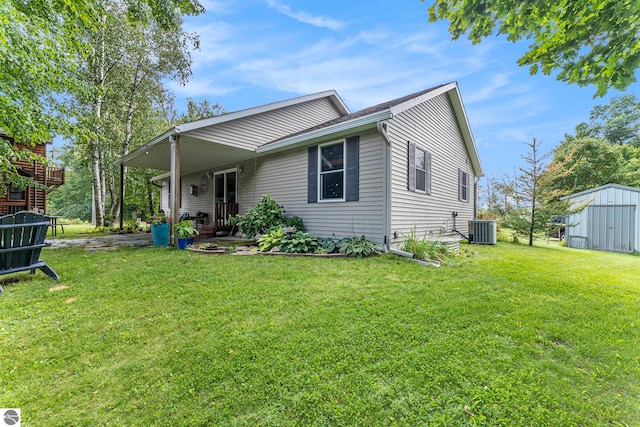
column 224, row 211
column 55, row 176
column 11, row 209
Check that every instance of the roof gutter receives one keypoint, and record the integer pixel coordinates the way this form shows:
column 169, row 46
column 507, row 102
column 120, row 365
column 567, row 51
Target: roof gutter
column 144, row 148
column 371, row 119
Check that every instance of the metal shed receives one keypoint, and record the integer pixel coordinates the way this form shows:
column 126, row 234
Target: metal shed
column 610, row 220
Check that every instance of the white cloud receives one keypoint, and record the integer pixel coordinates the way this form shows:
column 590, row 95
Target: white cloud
column 305, row 18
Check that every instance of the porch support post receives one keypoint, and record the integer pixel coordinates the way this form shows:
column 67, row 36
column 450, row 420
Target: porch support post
column 174, row 202
column 121, row 195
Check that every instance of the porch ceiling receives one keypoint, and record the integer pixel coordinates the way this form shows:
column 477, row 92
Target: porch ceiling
column 195, row 155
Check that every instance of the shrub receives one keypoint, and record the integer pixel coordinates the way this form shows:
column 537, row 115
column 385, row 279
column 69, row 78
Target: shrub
column 299, row 243
column 267, row 215
column 358, row 246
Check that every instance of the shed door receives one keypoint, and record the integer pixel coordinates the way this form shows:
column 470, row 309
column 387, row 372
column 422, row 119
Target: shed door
column 612, row 227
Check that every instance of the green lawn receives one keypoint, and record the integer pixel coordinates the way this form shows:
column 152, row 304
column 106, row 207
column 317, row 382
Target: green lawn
column 512, row 336
column 75, row 231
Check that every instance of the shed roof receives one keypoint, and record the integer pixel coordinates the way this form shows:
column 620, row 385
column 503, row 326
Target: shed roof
column 602, row 187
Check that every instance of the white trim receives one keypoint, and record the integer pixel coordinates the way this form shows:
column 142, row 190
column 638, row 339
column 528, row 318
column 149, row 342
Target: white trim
column 198, row 124
column 467, row 134
column 344, row 171
column 348, row 125
column 161, row 177
column 397, row 109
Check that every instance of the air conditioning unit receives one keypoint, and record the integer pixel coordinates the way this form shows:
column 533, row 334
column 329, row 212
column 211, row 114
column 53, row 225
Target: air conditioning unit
column 482, row 232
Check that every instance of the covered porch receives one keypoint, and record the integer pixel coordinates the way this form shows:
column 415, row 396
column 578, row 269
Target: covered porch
column 209, row 196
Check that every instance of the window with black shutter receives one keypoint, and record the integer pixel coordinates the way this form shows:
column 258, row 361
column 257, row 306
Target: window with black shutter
column 334, row 171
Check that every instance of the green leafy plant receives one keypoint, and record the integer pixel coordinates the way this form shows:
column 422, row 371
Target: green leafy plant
column 426, row 249
column 299, row 243
column 130, row 226
column 184, row 229
column 270, row 240
column 329, row 245
column 265, row 216
column 358, row 246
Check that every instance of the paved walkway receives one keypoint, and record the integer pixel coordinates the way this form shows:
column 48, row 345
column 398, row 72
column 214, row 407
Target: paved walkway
column 138, row 240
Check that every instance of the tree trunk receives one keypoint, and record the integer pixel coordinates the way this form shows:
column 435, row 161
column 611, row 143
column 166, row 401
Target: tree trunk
column 96, row 164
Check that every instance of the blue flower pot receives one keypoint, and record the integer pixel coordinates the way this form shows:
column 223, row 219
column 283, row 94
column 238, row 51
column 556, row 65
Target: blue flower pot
column 183, row 243
column 160, row 234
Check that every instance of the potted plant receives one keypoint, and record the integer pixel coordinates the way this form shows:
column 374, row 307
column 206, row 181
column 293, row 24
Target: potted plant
column 160, row 230
column 185, row 231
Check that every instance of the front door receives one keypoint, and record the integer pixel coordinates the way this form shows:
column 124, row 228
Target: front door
column 225, row 204
column 226, row 186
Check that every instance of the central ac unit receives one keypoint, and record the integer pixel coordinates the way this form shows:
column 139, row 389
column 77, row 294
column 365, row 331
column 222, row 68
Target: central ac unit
column 482, row 232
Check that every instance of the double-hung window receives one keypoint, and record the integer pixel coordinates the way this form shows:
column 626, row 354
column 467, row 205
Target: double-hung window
column 16, row 193
column 419, row 169
column 331, row 158
column 463, row 180
column 333, row 171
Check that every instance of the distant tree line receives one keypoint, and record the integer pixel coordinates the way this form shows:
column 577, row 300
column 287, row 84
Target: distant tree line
column 604, row 150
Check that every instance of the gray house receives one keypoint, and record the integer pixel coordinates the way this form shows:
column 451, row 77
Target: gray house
column 410, row 163
column 610, row 220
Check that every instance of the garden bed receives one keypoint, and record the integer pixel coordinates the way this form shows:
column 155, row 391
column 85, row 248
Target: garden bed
column 219, row 251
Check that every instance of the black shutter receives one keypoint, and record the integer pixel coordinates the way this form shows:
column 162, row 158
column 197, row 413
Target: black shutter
column 411, row 184
column 428, row 171
column 312, row 177
column 353, row 169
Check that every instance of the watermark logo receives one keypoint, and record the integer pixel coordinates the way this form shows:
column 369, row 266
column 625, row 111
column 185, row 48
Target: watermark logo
column 10, row 417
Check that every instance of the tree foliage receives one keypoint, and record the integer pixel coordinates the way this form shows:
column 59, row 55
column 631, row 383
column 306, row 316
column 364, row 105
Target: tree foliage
column 617, row 123
column 43, row 45
column 603, row 151
column 588, row 42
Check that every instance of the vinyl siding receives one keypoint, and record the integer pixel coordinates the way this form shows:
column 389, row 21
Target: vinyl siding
column 254, row 131
column 432, row 126
column 164, row 196
column 284, row 176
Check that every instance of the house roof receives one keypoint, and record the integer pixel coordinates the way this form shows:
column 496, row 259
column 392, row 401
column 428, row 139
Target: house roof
column 138, row 158
column 195, row 149
column 602, row 187
column 366, row 112
column 370, row 116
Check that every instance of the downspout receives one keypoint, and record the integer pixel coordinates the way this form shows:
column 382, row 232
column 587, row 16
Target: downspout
column 475, row 198
column 174, row 202
column 382, row 128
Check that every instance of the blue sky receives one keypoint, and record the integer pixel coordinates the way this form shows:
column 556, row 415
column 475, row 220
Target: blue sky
column 255, row 52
